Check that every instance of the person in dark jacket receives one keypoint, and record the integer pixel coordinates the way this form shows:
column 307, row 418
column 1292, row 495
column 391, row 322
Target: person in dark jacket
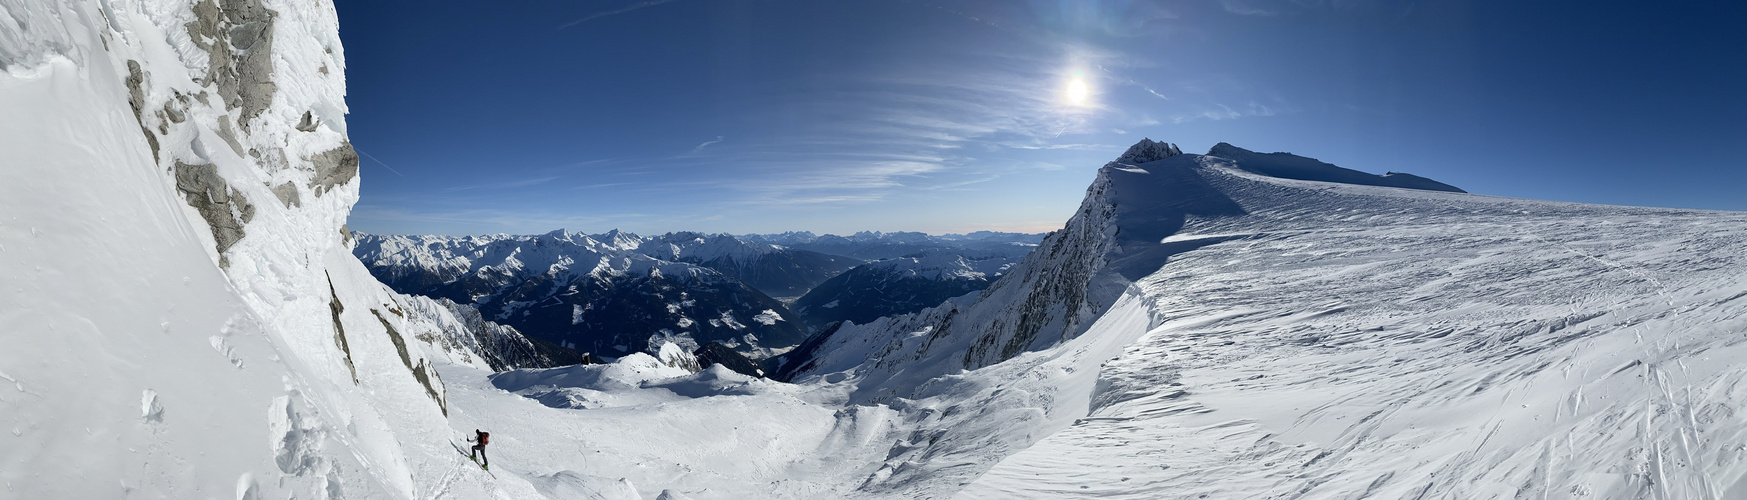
column 481, row 439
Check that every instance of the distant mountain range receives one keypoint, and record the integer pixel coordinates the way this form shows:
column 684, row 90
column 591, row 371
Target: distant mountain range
column 875, row 245
column 899, row 286
column 614, row 293
column 775, row 270
column 594, row 294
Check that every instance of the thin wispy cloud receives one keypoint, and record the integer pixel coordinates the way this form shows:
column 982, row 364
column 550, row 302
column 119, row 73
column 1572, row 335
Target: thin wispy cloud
column 605, row 185
column 958, row 186
column 1243, row 8
column 367, row 217
column 706, row 144
column 500, row 185
column 1224, row 112
column 1130, row 81
column 1056, row 147
column 614, row 12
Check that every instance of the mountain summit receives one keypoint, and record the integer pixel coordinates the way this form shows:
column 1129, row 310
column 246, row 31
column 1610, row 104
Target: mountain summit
column 1148, row 150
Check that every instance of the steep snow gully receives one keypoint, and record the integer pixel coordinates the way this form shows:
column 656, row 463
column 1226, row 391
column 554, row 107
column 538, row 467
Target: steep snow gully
column 185, row 319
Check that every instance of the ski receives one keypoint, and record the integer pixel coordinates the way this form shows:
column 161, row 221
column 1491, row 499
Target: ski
column 470, row 456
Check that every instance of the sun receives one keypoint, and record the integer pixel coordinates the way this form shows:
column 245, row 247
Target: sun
column 1078, row 91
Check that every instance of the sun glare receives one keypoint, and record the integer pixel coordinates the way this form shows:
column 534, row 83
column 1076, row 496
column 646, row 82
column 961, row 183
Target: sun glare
column 1078, row 91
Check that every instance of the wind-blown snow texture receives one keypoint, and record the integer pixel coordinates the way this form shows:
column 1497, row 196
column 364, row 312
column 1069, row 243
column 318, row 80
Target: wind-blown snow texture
column 1331, row 340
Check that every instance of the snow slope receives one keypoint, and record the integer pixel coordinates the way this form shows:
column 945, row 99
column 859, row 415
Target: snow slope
column 1243, row 336
column 184, row 317
column 1322, row 340
column 1345, row 341
column 185, row 320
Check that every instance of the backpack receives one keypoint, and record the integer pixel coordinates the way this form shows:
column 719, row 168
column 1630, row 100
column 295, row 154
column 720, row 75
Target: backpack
column 484, row 438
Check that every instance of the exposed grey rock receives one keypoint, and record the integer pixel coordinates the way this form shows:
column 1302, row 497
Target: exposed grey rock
column 174, row 112
column 136, row 95
column 308, row 124
column 345, row 234
column 335, row 307
column 136, row 98
column 717, row 353
column 287, row 194
column 334, row 167
column 238, row 39
column 1148, row 150
column 224, row 208
column 423, row 373
column 229, row 135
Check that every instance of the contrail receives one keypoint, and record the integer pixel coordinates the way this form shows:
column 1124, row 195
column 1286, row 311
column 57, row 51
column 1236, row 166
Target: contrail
column 379, row 162
column 597, row 15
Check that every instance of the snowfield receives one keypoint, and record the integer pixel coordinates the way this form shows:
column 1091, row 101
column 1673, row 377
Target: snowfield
column 1343, row 341
column 1330, row 341
column 184, row 318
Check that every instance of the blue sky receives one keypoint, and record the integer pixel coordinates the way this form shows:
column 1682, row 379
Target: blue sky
column 953, row 116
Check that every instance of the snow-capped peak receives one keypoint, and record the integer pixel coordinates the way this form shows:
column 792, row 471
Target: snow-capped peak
column 1148, row 150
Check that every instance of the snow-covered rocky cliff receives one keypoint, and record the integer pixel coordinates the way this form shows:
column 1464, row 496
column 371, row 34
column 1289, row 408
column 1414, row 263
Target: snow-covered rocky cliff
column 184, row 316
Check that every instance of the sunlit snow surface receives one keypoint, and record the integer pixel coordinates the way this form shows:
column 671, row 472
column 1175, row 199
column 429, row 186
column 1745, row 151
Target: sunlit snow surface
column 1325, row 341
column 1336, row 341
column 1400, row 344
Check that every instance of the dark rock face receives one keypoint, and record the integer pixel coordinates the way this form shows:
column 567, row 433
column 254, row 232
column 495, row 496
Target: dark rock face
column 1290, row 166
column 1148, row 150
column 618, row 315
column 872, row 290
column 784, row 273
column 772, row 269
column 715, row 353
column 786, row 366
column 504, row 348
column 871, row 245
